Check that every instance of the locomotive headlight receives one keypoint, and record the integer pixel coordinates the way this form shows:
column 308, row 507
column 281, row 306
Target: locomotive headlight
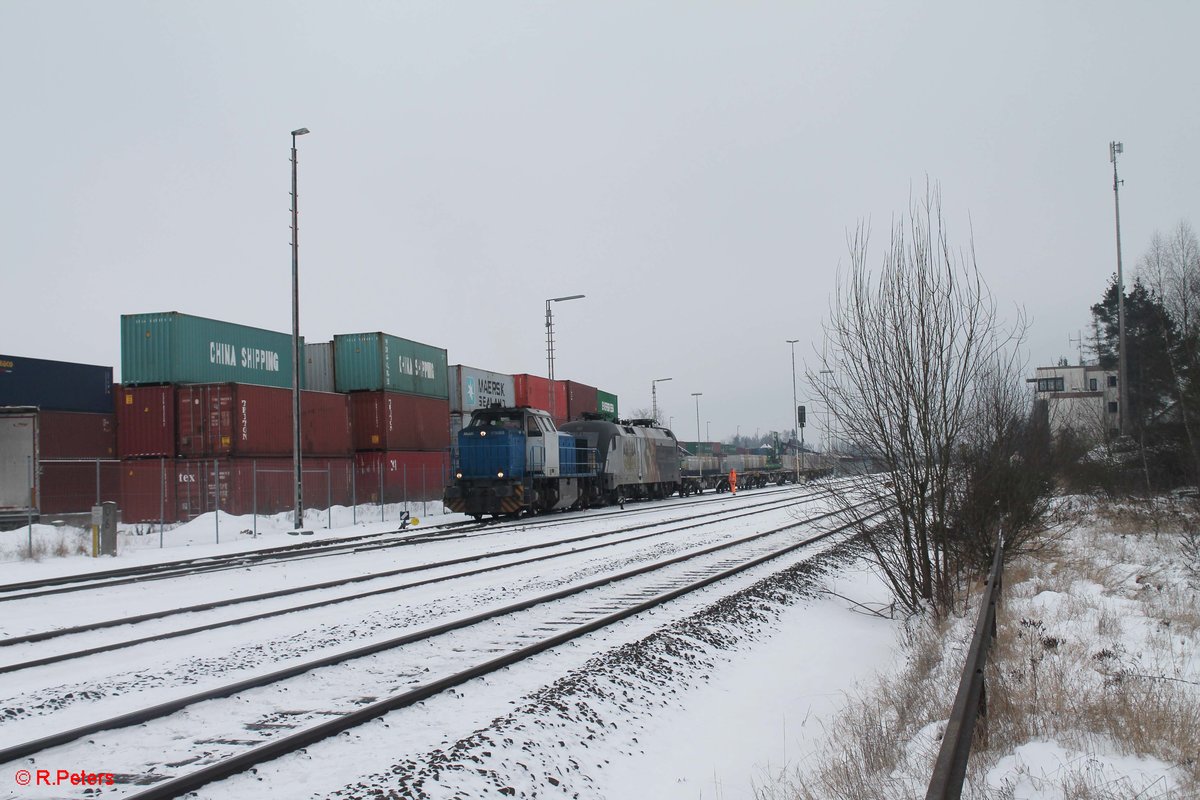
column 458, row 474
column 483, row 433
column 500, row 474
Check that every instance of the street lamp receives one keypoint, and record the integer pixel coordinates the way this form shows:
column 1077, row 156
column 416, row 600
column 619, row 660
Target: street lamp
column 700, row 461
column 654, row 396
column 1122, row 393
column 708, row 430
column 550, row 343
column 796, row 410
column 296, row 459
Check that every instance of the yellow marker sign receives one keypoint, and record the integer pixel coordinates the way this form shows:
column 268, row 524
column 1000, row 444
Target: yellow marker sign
column 414, row 521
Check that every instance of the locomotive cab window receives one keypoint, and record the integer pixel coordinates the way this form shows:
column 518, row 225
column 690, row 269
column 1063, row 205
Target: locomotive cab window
column 496, row 421
column 532, row 427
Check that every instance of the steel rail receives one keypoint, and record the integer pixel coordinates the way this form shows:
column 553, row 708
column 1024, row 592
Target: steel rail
column 134, row 619
column 141, row 716
column 60, row 657
column 284, row 745
column 203, row 564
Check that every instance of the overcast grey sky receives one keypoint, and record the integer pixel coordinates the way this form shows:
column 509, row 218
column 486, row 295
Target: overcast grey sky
column 692, row 167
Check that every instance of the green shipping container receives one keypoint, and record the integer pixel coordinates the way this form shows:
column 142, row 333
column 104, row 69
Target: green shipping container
column 369, row 362
column 606, row 404
column 170, row 347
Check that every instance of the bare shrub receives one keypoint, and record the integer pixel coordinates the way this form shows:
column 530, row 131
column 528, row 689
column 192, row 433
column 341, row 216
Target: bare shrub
column 927, row 386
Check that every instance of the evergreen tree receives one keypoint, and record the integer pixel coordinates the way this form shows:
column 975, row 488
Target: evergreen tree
column 1149, row 335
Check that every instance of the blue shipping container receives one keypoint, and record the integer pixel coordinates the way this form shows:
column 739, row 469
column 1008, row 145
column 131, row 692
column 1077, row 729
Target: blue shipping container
column 55, row 385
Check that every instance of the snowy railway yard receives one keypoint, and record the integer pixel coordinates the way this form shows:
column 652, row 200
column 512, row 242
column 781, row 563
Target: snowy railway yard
column 615, row 653
column 523, row 657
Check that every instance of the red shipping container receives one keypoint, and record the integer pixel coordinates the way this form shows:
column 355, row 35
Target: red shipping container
column 239, row 419
column 242, row 486
column 75, row 434
column 395, row 421
column 148, row 490
column 69, row 487
column 580, row 398
column 535, row 391
column 217, row 419
column 400, row 476
column 145, row 421
column 325, row 428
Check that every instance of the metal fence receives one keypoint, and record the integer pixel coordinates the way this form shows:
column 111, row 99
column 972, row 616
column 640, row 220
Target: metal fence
column 163, row 491
column 970, row 704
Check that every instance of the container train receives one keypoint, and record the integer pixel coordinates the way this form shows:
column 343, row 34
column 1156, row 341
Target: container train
column 512, row 460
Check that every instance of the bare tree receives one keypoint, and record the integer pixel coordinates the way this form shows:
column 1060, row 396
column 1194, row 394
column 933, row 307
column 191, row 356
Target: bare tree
column 1170, row 269
column 918, row 353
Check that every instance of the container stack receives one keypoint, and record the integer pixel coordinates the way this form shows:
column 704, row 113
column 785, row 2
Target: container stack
column 400, row 413
column 538, row 392
column 205, row 422
column 472, row 389
column 57, row 436
column 606, row 405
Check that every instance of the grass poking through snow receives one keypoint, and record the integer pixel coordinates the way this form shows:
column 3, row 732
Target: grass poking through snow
column 1093, row 684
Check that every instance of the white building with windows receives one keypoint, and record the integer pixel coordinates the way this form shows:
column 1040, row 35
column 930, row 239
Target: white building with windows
column 1081, row 398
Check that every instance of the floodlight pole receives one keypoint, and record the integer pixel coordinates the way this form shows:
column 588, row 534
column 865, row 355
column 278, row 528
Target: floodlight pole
column 654, row 397
column 550, row 343
column 1114, row 148
column 296, row 458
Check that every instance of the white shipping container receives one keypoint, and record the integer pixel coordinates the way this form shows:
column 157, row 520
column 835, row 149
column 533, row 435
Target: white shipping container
column 318, row 367
column 18, row 459
column 472, row 388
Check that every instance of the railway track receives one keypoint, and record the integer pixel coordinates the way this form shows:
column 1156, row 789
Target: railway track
column 612, row 538
column 563, row 615
column 123, row 576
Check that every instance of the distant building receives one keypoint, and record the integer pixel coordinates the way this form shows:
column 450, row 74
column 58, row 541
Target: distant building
column 1080, row 398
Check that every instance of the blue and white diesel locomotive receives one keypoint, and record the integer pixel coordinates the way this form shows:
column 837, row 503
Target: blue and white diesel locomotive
column 513, row 460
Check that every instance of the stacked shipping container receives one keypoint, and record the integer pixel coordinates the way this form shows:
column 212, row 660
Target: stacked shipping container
column 204, row 419
column 59, row 434
column 471, row 389
column 400, row 412
column 538, row 392
column 211, row 403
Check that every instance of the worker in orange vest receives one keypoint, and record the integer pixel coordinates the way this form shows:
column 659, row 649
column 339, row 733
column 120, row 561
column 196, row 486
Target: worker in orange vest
column 733, row 481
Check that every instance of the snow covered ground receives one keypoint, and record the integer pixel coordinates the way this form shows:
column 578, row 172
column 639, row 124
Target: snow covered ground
column 707, row 698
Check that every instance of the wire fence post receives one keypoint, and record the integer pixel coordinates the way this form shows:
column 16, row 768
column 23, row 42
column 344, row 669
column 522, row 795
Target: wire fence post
column 328, row 497
column 353, row 492
column 97, row 481
column 382, row 499
column 217, row 500
column 254, row 493
column 404, row 478
column 162, row 498
column 424, row 493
